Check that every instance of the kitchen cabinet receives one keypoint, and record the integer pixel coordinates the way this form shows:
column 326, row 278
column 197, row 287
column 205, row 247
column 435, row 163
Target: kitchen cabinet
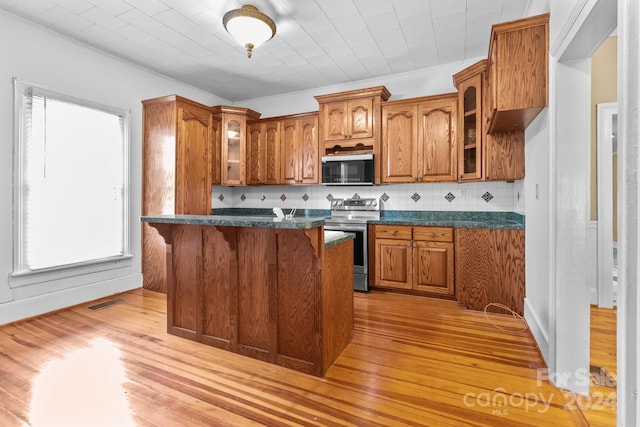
column 490, row 268
column 300, row 152
column 233, row 142
column 415, row 258
column 482, row 156
column 419, row 139
column 263, row 152
column 272, row 294
column 349, row 122
column 176, row 172
column 517, row 73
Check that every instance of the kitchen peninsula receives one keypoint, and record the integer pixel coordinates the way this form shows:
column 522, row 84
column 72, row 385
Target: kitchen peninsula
column 263, row 287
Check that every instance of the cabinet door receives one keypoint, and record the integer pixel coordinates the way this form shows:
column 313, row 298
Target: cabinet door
column 233, row 149
column 309, row 161
column 393, row 263
column 300, row 161
column 289, row 153
column 433, row 267
column 334, row 115
column 399, row 138
column 471, row 129
column 272, row 152
column 360, row 118
column 193, row 161
column 256, row 159
column 437, row 149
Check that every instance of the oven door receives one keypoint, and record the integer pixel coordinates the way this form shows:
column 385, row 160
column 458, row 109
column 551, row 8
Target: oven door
column 360, row 253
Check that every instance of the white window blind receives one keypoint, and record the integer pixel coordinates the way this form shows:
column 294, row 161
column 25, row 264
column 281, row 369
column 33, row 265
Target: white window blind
column 71, row 193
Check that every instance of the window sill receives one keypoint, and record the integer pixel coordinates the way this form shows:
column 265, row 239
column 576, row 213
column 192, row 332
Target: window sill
column 29, row 277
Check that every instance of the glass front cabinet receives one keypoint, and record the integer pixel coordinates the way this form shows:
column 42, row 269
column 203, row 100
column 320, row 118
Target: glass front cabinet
column 233, row 143
column 469, row 83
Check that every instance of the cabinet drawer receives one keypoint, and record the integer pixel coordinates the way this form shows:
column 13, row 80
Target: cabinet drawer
column 433, row 234
column 401, row 232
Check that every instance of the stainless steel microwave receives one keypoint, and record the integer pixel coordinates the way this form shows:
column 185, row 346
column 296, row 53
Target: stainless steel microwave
column 354, row 169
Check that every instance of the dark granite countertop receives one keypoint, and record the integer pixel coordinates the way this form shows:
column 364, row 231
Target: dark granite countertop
column 302, row 223
column 335, row 242
column 458, row 219
column 464, row 219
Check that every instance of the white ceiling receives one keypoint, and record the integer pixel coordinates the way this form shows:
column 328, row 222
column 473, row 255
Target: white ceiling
column 318, row 42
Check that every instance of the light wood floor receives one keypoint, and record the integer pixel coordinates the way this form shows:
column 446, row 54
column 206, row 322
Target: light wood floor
column 600, row 408
column 412, row 361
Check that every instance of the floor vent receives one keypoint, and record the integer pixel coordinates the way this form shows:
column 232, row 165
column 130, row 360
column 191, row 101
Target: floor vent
column 105, row 304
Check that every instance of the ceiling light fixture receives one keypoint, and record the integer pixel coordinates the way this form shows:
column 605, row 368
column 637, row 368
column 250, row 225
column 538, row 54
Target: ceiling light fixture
column 249, row 26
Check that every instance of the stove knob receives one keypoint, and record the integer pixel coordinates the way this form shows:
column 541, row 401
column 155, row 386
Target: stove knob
column 334, row 202
column 374, row 203
column 340, row 202
column 368, row 203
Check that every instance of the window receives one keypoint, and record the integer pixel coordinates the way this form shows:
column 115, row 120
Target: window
column 70, row 177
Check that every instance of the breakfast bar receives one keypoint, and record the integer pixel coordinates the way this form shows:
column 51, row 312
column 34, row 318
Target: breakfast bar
column 263, row 287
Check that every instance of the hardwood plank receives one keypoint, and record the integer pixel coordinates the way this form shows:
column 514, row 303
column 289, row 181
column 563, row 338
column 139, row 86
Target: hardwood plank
column 600, row 405
column 412, row 361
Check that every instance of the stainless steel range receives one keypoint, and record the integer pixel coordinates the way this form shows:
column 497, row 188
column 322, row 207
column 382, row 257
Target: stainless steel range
column 352, row 215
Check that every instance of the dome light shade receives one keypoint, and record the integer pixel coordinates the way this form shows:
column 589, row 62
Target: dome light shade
column 249, row 26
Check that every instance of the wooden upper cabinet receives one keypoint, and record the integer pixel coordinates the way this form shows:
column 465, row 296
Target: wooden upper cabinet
column 351, row 119
column 300, row 162
column 399, row 142
column 419, row 139
column 470, row 84
column 193, row 160
column 518, row 72
column 437, row 138
column 176, row 172
column 349, row 123
column 263, row 152
column 482, row 156
column 233, row 142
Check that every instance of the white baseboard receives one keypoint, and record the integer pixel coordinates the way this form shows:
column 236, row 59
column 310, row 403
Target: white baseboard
column 29, row 307
column 540, row 334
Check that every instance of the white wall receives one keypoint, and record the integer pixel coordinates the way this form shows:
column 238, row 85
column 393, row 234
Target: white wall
column 557, row 303
column 537, row 191
column 39, row 56
column 425, row 82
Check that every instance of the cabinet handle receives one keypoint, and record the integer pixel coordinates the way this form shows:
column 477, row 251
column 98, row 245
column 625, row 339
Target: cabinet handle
column 433, row 234
column 394, row 232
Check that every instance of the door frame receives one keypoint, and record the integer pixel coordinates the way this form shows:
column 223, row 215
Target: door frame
column 605, row 114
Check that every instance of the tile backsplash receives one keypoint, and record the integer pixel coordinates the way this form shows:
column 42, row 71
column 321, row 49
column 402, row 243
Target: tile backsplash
column 472, row 196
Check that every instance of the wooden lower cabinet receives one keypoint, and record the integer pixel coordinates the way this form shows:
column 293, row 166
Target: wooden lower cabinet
column 490, row 268
column 260, row 292
column 419, row 259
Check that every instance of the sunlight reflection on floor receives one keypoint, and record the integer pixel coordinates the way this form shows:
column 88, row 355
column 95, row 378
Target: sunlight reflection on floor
column 85, row 388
